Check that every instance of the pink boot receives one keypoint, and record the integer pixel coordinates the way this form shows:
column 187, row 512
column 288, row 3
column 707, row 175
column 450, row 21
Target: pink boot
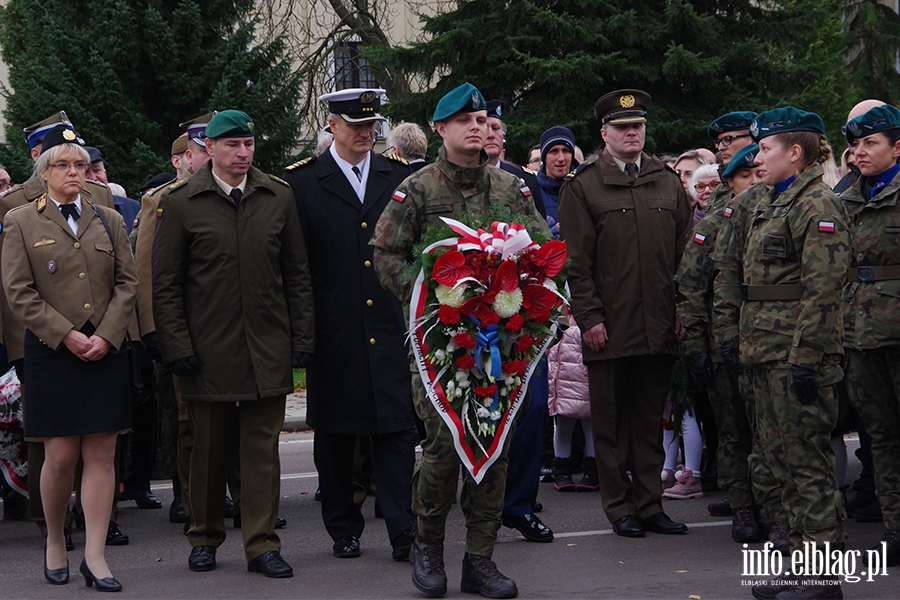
column 688, row 487
column 668, row 478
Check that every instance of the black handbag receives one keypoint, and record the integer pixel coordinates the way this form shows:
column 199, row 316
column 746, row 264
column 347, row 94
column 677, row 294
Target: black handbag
column 137, row 354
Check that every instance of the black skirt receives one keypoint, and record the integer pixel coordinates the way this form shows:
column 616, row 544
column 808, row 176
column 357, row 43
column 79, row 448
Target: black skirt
column 64, row 395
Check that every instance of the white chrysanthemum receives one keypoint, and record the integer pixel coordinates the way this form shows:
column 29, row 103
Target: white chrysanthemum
column 509, row 380
column 495, row 415
column 481, row 412
column 451, row 296
column 550, row 284
column 440, row 355
column 458, row 392
column 508, row 303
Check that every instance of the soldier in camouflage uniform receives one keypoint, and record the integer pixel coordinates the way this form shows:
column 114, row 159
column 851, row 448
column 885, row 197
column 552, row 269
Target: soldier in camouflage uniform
column 795, row 262
column 459, row 182
column 733, row 413
column 870, row 302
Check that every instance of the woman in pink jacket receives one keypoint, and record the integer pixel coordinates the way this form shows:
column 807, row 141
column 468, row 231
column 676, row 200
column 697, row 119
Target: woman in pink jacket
column 569, row 402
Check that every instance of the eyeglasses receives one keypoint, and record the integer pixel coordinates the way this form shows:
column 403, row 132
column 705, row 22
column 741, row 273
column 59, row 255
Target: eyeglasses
column 5, row 185
column 702, row 186
column 534, row 161
column 62, row 167
column 726, row 141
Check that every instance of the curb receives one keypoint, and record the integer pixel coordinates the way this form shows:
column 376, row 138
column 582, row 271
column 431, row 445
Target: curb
column 295, row 424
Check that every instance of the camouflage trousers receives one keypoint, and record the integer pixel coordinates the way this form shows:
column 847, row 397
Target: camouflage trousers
column 874, row 385
column 743, row 473
column 796, row 444
column 436, row 479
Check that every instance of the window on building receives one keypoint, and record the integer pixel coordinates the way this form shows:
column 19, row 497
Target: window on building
column 350, row 69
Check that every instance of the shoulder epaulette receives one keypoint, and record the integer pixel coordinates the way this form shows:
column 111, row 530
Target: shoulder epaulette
column 178, row 184
column 672, row 169
column 392, row 156
column 97, row 183
column 18, row 186
column 19, row 207
column 300, row 163
column 41, row 202
column 529, row 171
column 280, row 180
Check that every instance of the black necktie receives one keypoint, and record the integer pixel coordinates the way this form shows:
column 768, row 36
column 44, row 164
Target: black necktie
column 631, row 170
column 358, row 173
column 236, row 195
column 70, row 211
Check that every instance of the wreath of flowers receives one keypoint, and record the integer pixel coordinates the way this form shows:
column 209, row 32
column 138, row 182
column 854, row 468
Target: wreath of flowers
column 488, row 303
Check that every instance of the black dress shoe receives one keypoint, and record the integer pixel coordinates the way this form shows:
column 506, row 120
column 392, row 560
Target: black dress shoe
column 176, row 511
column 114, row 535
column 661, row 523
column 202, row 558
column 628, row 526
column 70, row 545
column 530, row 526
column 347, row 547
column 144, row 499
column 318, row 495
column 270, row 564
column 402, row 544
column 537, row 507
column 107, row 584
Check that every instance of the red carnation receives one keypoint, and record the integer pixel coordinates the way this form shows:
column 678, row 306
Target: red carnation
column 486, row 392
column 525, row 342
column 514, row 367
column 466, row 361
column 515, row 323
column 464, row 340
column 490, row 318
column 448, row 315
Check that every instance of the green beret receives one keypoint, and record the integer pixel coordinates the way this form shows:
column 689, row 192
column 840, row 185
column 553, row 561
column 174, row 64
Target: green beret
column 463, row 99
column 733, row 121
column 880, row 118
column 785, row 120
column 743, row 159
column 229, row 123
column 622, row 107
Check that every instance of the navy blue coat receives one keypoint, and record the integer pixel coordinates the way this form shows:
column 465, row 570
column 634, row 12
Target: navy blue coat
column 359, row 383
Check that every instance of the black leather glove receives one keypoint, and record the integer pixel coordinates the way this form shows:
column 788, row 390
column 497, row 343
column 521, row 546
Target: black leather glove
column 731, row 356
column 184, row 367
column 301, row 360
column 151, row 343
column 803, row 382
column 702, row 369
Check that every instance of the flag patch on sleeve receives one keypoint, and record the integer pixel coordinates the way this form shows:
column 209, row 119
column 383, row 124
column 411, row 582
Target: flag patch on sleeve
column 729, row 211
column 526, row 191
column 826, row 226
column 398, row 196
column 699, row 238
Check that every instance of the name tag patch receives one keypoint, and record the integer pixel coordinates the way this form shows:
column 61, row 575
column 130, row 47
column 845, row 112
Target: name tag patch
column 436, row 209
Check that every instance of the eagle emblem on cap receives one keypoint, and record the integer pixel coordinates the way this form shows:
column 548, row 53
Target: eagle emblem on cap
column 367, row 97
column 853, row 127
column 69, row 135
column 626, row 101
column 250, row 126
column 754, row 128
column 716, row 127
column 476, row 103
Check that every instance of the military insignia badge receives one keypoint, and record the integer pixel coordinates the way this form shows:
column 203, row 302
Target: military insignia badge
column 476, row 102
column 250, row 126
column 159, row 212
column 51, row 267
column 754, row 128
column 853, row 127
column 42, row 203
column 716, row 127
column 626, row 101
column 69, row 135
column 367, row 97
column 43, row 242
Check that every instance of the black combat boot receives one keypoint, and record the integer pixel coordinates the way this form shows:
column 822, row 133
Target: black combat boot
column 780, row 536
column 480, row 575
column 720, row 508
column 427, row 558
column 744, row 528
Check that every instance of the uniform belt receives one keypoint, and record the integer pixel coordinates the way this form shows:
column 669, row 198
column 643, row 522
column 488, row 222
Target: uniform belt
column 771, row 292
column 874, row 273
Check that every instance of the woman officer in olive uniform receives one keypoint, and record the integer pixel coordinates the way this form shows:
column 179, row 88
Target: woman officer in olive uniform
column 796, row 258
column 72, row 282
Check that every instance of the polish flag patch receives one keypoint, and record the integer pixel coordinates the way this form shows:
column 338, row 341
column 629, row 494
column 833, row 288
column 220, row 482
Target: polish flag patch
column 526, row 191
column 728, row 212
column 398, row 196
column 826, row 226
column 699, row 238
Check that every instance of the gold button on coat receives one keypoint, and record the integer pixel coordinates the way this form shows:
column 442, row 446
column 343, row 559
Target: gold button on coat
column 77, row 245
column 364, row 225
column 372, row 341
column 368, row 303
column 367, row 264
column 81, row 276
column 87, row 306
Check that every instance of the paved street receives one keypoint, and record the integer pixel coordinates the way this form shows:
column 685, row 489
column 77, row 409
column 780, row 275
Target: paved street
column 585, row 561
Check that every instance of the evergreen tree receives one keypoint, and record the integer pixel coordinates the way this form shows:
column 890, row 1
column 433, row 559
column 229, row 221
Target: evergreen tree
column 874, row 30
column 127, row 72
column 551, row 59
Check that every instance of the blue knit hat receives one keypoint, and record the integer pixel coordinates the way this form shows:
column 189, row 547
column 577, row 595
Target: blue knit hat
column 558, row 136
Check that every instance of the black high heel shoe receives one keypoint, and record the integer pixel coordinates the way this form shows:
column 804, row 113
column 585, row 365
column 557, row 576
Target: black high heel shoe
column 56, row 576
column 107, row 584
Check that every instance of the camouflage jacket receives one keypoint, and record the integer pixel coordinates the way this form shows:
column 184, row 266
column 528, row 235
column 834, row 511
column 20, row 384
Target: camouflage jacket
column 441, row 189
column 800, row 238
column 871, row 309
column 695, row 277
column 727, row 256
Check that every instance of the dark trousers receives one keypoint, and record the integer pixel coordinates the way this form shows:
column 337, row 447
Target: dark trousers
column 393, row 457
column 627, row 399
column 259, row 423
column 523, row 473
